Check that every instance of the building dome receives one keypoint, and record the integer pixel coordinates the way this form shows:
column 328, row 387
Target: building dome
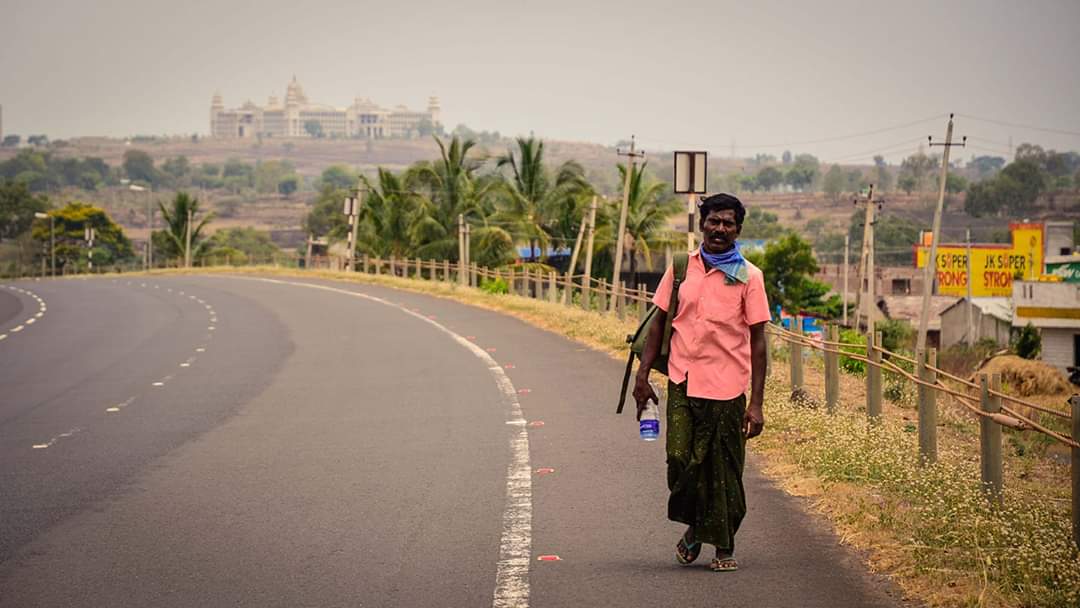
column 294, row 94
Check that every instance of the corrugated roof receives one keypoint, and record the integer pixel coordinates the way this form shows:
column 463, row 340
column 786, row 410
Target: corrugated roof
column 999, row 308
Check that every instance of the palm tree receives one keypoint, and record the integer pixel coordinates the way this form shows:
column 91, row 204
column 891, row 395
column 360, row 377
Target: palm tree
column 453, row 188
column 649, row 206
column 532, row 203
column 176, row 225
column 387, row 216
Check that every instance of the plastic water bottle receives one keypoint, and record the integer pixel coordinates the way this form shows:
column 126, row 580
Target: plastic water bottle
column 650, row 419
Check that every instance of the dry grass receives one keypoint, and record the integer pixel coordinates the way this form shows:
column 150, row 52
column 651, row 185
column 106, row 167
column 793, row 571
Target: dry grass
column 1026, row 378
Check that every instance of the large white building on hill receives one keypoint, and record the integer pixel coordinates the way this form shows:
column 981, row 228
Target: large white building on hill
column 298, row 117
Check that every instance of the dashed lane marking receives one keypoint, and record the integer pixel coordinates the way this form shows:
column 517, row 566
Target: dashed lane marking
column 48, row 444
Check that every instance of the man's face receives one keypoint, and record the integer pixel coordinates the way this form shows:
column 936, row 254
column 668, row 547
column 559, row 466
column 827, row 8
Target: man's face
column 719, row 230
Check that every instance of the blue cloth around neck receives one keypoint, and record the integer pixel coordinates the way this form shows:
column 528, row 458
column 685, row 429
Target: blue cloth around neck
column 730, row 262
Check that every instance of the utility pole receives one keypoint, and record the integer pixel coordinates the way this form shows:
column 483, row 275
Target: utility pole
column 847, row 248
column 187, row 239
column 633, row 156
column 573, row 262
column 591, row 231
column 867, row 268
column 930, row 269
column 970, row 313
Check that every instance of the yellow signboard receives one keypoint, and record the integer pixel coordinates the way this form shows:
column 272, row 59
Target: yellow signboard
column 992, row 266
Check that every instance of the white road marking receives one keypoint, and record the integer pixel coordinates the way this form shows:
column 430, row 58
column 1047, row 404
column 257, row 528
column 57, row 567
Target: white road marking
column 39, row 315
column 159, row 384
column 200, row 350
column 515, row 546
column 185, row 364
column 42, row 446
column 3, row 336
column 120, row 406
column 16, row 329
column 31, row 321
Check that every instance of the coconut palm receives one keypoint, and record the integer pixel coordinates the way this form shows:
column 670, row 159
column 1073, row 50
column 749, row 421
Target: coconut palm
column 453, row 187
column 649, row 206
column 387, row 216
column 176, row 226
column 531, row 202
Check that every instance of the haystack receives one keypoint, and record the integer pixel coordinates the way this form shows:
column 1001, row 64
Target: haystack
column 1024, row 377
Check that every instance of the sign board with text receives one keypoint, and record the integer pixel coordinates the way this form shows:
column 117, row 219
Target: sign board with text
column 993, row 266
column 691, row 172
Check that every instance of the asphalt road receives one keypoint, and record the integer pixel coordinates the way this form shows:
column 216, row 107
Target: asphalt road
column 226, row 441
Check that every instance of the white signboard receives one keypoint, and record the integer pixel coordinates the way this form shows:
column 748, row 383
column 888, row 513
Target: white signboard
column 691, row 172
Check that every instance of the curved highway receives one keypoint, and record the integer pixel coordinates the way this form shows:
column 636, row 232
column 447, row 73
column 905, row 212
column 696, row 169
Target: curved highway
column 243, row 441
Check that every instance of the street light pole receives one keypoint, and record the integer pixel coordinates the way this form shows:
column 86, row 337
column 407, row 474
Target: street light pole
column 52, row 238
column 187, row 244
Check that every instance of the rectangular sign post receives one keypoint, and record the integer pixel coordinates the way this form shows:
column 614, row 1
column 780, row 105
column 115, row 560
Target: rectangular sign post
column 691, row 177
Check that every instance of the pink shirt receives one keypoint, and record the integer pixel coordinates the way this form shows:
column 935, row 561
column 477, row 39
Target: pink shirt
column 710, row 337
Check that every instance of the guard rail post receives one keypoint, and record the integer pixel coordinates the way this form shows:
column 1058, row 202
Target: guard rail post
column 1075, row 401
column 990, row 437
column 832, row 369
column 796, row 358
column 873, row 377
column 927, row 407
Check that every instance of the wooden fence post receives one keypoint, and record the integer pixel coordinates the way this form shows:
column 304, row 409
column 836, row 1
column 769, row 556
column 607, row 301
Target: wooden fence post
column 376, row 263
column 873, row 377
column 643, row 304
column 1076, row 469
column 446, row 270
column 832, row 369
column 990, row 438
column 620, row 304
column 927, row 408
column 795, row 350
column 553, row 289
column 586, row 292
column 602, row 293
column 365, row 263
column 419, row 270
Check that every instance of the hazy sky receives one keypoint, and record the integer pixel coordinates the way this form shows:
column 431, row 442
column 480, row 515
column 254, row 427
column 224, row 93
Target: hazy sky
column 766, row 75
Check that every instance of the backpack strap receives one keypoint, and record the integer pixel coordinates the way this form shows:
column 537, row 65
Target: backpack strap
column 678, row 267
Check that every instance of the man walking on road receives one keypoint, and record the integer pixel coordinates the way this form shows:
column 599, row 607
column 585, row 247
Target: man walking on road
column 717, row 349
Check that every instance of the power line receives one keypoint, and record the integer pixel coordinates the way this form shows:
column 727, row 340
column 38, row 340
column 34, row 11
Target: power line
column 1006, row 123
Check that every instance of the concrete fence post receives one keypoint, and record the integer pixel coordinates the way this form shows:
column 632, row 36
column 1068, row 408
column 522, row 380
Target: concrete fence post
column 602, row 292
column 643, row 303
column 1075, row 401
column 873, row 377
column 796, row 358
column 366, row 262
column 446, row 270
column 990, row 437
column 553, row 289
column 832, row 369
column 927, row 408
column 620, row 302
column 376, row 263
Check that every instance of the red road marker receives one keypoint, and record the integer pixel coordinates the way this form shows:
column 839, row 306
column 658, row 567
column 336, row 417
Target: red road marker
column 491, row 350
column 432, row 317
column 549, row 558
column 544, row 471
column 470, row 337
column 509, row 366
column 524, row 391
column 535, row 424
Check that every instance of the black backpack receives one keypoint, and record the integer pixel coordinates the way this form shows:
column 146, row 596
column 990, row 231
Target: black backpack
column 638, row 338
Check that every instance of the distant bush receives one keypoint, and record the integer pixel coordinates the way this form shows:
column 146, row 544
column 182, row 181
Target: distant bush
column 494, row 286
column 1028, row 342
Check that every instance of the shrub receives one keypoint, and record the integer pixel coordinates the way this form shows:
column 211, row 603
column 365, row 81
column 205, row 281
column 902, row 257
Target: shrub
column 1028, row 342
column 494, row 286
column 849, row 365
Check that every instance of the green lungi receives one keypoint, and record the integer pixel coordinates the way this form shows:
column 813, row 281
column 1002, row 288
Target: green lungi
column 706, row 450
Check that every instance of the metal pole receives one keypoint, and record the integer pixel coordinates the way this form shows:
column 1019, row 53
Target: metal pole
column 690, row 222
column 847, row 247
column 971, row 328
column 927, row 408
column 930, row 269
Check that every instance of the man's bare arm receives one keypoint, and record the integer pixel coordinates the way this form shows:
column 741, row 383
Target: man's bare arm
column 643, row 392
column 754, row 420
